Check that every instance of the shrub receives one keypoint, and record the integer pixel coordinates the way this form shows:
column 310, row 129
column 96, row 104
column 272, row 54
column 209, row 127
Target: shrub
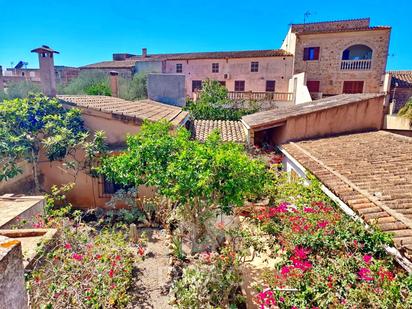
column 214, row 104
column 93, row 82
column 406, row 110
column 22, row 89
column 134, row 89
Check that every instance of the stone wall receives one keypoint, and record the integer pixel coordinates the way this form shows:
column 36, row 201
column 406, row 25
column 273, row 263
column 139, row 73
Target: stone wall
column 327, row 69
column 402, row 95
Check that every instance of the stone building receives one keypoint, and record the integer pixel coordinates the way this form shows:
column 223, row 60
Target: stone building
column 337, row 57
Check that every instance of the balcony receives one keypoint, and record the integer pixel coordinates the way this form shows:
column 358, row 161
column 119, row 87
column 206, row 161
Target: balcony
column 356, row 65
column 260, row 96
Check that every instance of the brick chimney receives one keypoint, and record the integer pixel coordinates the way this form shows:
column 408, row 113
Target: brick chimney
column 47, row 73
column 114, row 83
column 144, row 52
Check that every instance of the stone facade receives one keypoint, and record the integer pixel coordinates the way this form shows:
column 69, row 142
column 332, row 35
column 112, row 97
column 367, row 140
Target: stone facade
column 329, row 69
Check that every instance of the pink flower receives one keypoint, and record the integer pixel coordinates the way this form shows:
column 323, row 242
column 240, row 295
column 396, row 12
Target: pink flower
column 301, row 253
column 302, row 265
column 364, row 274
column 322, row 224
column 266, row 298
column 285, row 270
column 77, row 256
column 111, row 273
column 67, row 246
column 308, row 209
column 367, row 258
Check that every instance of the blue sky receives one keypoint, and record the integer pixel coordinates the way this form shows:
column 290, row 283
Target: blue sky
column 89, row 31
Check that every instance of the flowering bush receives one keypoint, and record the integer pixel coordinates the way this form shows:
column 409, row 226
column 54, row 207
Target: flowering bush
column 85, row 269
column 326, row 258
column 211, row 282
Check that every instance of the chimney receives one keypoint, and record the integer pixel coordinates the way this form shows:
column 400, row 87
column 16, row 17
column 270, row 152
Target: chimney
column 1, row 79
column 47, row 72
column 114, row 83
column 144, row 52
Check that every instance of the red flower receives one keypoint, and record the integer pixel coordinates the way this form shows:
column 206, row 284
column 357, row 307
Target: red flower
column 118, row 257
column 98, row 256
column 285, row 270
column 322, row 224
column 301, row 253
column 77, row 256
column 308, row 210
column 385, row 274
column 141, row 251
column 67, row 246
column 111, row 273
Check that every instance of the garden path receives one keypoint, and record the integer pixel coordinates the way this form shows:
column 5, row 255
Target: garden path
column 151, row 274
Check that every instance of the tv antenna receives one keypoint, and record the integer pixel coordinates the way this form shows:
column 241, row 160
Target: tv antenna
column 306, row 16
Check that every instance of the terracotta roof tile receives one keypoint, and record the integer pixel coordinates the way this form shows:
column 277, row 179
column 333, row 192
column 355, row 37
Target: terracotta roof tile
column 138, row 110
column 403, row 78
column 230, row 131
column 377, row 166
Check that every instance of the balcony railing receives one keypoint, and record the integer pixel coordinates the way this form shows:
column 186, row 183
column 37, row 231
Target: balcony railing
column 356, row 65
column 260, row 96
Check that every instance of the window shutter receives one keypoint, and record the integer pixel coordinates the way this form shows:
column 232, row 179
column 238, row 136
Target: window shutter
column 306, row 54
column 317, row 50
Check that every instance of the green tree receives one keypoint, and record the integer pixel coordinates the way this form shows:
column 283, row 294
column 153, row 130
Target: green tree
column 214, row 104
column 406, row 110
column 134, row 89
column 29, row 125
column 92, row 82
column 22, row 89
column 202, row 179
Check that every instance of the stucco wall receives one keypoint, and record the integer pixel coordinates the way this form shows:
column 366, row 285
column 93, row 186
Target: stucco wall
column 328, row 68
column 148, row 67
column 167, row 88
column 22, row 183
column 355, row 117
column 270, row 68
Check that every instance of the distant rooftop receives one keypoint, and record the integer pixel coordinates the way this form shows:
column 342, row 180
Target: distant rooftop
column 131, row 60
column 44, row 48
column 348, row 25
column 134, row 110
column 402, row 78
column 270, row 117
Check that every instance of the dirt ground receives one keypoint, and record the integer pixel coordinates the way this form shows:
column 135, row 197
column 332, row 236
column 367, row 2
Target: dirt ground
column 151, row 274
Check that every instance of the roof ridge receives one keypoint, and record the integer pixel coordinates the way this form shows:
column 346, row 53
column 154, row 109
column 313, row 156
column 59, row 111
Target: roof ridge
column 332, row 21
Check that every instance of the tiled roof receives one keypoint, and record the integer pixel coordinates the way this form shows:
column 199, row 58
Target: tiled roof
column 137, row 110
column 230, row 131
column 373, row 28
column 130, row 62
column 123, row 64
column 403, row 78
column 370, row 172
column 267, row 118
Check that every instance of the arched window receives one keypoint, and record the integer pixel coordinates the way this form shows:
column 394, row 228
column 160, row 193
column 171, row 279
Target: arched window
column 357, row 52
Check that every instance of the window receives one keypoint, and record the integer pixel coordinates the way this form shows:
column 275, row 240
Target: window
column 311, row 53
column 313, row 85
column 179, row 68
column 215, row 67
column 222, row 82
column 196, row 85
column 239, row 85
column 352, row 86
column 270, row 85
column 110, row 187
column 254, row 66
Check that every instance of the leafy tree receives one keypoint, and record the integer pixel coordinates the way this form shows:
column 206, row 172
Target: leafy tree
column 134, row 89
column 29, row 125
column 202, row 179
column 406, row 110
column 93, row 82
column 22, row 89
column 214, row 104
